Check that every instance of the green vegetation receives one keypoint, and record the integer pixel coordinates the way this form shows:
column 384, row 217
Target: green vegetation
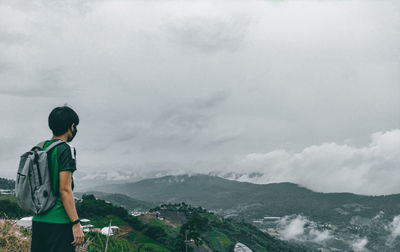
column 166, row 227
column 205, row 229
column 9, row 207
column 98, row 241
column 8, row 184
column 163, row 229
column 254, row 201
column 120, row 200
column 218, row 240
column 139, row 234
column 103, row 221
column 102, row 212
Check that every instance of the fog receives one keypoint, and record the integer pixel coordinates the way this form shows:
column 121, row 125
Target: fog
column 299, row 91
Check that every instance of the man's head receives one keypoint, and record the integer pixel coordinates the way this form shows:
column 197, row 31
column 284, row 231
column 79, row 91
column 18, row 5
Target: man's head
column 64, row 120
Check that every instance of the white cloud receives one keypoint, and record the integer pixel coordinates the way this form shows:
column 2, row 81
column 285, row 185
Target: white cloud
column 320, row 236
column 395, row 226
column 196, row 83
column 294, row 228
column 331, row 167
column 359, row 245
column 301, row 229
column 394, row 230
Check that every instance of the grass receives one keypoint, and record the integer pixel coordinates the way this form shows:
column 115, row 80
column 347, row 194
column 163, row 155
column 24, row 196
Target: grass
column 98, row 241
column 218, row 240
column 167, row 228
column 139, row 238
column 153, row 248
column 211, row 217
column 9, row 197
column 101, row 222
column 13, row 237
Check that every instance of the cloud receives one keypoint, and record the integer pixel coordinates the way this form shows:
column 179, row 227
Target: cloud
column 9, row 38
column 320, row 236
column 359, row 245
column 294, row 228
column 46, row 83
column 299, row 228
column 395, row 227
column 394, row 231
column 208, row 30
column 222, row 138
column 199, row 83
column 184, row 122
column 331, row 167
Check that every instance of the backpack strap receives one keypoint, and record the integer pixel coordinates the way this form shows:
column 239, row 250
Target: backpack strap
column 53, row 145
column 40, row 146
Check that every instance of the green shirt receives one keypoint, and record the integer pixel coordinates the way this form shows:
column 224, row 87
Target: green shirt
column 61, row 158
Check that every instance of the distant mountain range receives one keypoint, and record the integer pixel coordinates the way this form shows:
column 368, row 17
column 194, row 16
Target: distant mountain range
column 120, row 200
column 322, row 221
column 250, row 201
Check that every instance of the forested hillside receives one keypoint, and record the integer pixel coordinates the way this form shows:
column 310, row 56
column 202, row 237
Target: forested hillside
column 7, row 183
column 252, row 201
column 168, row 227
column 164, row 228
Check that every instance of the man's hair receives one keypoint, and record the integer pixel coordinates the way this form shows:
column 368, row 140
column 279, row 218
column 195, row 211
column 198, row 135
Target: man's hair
column 61, row 119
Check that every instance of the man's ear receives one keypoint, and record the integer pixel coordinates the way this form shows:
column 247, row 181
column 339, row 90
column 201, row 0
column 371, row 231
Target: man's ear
column 71, row 128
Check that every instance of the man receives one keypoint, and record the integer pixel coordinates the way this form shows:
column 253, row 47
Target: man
column 59, row 229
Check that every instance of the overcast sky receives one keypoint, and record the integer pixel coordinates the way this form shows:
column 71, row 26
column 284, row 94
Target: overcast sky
column 260, row 91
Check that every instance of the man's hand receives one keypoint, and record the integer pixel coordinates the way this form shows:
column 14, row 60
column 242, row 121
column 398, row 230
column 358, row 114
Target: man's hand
column 78, row 234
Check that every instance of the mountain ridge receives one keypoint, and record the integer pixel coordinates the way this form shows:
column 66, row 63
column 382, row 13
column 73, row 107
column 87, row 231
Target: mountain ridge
column 252, row 200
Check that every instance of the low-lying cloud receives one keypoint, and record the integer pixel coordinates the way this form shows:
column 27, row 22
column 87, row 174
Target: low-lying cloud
column 394, row 229
column 331, row 167
column 300, row 228
column 373, row 233
column 359, row 245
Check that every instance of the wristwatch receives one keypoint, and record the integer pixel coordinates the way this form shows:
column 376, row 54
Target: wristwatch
column 76, row 222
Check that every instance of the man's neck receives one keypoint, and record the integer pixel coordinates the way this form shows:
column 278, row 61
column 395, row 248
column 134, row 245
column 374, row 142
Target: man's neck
column 62, row 137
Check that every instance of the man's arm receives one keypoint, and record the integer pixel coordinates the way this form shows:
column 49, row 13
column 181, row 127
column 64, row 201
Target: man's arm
column 68, row 201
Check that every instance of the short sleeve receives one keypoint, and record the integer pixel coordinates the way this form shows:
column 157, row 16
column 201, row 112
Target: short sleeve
column 66, row 158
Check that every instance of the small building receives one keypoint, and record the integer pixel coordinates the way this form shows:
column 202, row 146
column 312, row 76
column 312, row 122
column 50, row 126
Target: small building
column 109, row 231
column 7, row 191
column 25, row 222
column 137, row 213
column 240, row 247
column 87, row 228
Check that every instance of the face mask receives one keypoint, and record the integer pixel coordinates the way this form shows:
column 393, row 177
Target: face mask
column 73, row 134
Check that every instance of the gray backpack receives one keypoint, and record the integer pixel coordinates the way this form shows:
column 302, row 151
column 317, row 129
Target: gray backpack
column 33, row 186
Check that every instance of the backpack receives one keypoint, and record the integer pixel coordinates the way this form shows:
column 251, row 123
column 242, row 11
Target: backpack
column 33, row 186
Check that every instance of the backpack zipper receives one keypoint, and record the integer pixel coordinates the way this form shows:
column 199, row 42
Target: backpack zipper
column 37, row 167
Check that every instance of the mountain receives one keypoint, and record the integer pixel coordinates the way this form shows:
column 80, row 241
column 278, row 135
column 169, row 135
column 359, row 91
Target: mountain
column 321, row 221
column 120, row 200
column 252, row 201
